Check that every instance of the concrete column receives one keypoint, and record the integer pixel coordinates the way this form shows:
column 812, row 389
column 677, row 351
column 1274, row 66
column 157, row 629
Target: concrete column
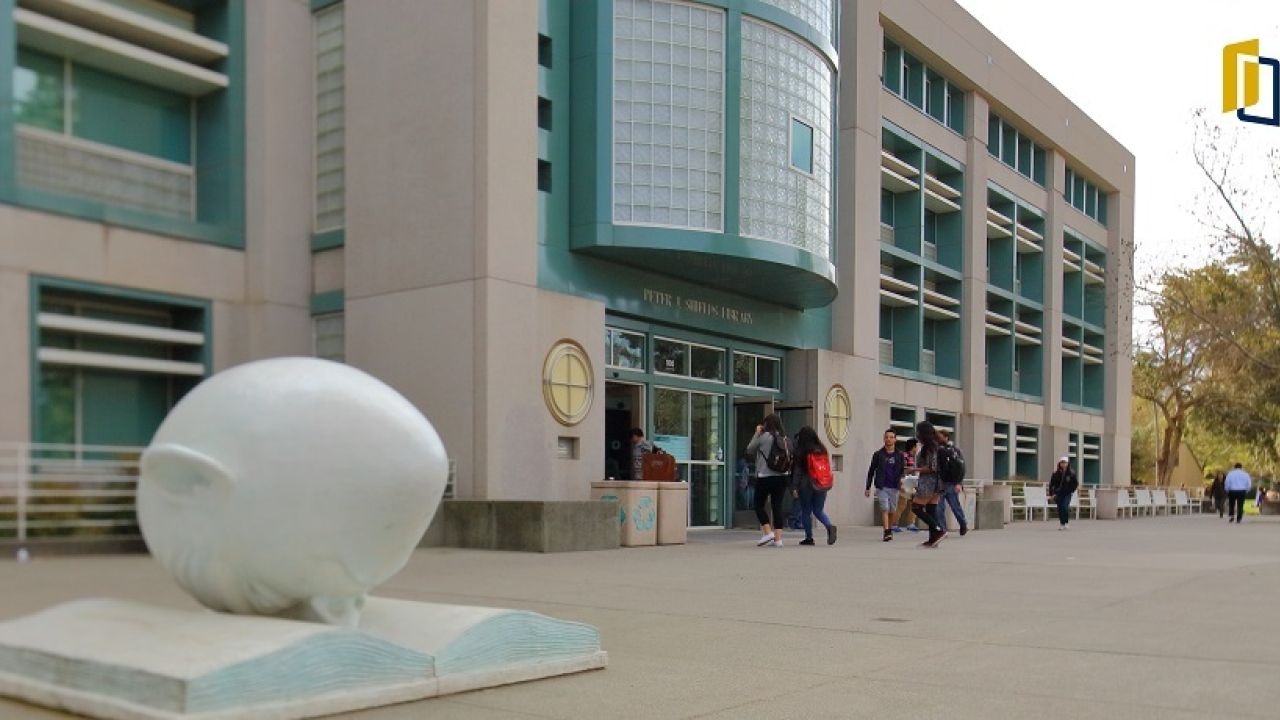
column 15, row 337
column 279, row 105
column 440, row 256
column 1117, row 438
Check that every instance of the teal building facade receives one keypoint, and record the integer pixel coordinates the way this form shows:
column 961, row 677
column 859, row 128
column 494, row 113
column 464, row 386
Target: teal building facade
column 547, row 222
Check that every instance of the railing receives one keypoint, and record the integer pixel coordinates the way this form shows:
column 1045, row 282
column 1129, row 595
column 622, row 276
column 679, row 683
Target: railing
column 67, row 491
column 1087, row 493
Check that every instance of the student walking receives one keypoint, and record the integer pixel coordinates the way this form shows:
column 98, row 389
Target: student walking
column 770, row 483
column 812, row 499
column 1237, row 484
column 1062, row 485
column 888, row 467
column 951, row 487
column 1218, row 491
column 928, row 487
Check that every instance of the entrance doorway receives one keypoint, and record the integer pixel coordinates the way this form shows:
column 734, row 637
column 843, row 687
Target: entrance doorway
column 747, row 414
column 624, row 409
column 690, row 425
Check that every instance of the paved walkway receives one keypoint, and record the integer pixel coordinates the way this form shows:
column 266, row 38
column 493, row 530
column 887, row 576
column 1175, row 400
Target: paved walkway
column 1142, row 618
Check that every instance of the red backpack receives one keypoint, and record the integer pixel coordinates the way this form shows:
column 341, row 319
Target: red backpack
column 820, row 471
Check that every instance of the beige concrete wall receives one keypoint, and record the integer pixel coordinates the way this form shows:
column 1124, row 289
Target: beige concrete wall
column 462, row 74
column 440, row 266
column 810, row 375
column 516, row 434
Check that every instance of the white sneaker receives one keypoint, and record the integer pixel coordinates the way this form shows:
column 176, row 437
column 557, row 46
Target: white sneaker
column 764, row 540
column 1062, row 527
column 1067, row 526
column 777, row 543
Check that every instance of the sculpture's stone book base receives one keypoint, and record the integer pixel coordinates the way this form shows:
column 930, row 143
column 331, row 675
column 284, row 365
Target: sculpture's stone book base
column 125, row 660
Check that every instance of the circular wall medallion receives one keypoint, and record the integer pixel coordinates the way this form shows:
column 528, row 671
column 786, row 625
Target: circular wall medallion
column 567, row 382
column 837, row 415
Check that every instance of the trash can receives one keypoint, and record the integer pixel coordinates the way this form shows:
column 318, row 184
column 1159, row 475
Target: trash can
column 637, row 508
column 673, row 513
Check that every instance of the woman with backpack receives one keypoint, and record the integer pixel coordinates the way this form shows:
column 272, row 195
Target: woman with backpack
column 810, row 472
column 773, row 469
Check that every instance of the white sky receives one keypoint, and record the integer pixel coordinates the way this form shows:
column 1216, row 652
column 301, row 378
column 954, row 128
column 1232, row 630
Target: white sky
column 1139, row 68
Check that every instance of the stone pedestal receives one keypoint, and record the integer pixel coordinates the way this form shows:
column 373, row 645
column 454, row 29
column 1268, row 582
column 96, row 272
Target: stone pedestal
column 1004, row 494
column 1106, row 503
column 989, row 514
column 129, row 661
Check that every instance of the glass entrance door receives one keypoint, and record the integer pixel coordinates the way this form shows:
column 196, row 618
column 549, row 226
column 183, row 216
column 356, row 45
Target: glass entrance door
column 690, row 426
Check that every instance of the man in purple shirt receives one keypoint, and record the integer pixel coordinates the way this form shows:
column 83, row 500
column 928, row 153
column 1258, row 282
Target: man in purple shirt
column 888, row 465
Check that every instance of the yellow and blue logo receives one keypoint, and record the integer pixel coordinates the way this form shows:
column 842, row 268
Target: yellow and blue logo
column 1242, row 64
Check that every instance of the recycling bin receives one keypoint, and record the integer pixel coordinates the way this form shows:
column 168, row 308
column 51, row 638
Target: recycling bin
column 637, row 508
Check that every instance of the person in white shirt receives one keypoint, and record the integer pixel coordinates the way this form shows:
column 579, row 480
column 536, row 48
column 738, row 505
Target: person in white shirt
column 1238, row 483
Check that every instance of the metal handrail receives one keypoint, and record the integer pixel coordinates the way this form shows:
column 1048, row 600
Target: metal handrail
column 52, row 490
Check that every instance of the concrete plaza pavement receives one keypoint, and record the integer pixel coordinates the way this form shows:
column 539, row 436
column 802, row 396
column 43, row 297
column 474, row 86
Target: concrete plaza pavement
column 1141, row 618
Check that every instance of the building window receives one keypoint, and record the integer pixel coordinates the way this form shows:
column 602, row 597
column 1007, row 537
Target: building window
column 783, row 77
column 330, row 163
column 926, row 89
column 113, row 110
column 1011, row 147
column 330, row 336
column 801, row 146
column 759, row 371
column 821, row 14
column 624, row 349
column 700, row 362
column 1084, row 196
column 668, row 114
column 110, row 367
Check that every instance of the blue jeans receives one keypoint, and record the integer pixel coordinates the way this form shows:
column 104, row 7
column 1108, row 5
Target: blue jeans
column 951, row 496
column 811, row 506
column 1064, row 507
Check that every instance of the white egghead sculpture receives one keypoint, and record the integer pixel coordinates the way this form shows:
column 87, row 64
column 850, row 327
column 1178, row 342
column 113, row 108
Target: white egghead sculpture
column 289, row 487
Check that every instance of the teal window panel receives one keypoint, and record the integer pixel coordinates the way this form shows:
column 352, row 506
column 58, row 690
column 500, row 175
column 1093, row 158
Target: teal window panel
column 122, row 408
column 891, row 67
column 38, row 96
column 801, row 146
column 130, row 115
column 56, row 406
column 955, row 109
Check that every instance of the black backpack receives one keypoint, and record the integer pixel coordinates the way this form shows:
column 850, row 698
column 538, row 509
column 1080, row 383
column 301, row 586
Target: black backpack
column 950, row 465
column 779, row 458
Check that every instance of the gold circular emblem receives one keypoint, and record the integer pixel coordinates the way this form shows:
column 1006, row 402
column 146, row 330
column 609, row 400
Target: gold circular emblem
column 837, row 415
column 567, row 382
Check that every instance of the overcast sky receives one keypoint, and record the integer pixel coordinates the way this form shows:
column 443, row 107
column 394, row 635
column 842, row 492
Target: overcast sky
column 1139, row 68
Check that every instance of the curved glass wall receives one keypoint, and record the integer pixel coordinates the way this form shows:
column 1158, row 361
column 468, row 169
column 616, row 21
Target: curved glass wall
column 787, row 88
column 818, row 13
column 668, row 114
